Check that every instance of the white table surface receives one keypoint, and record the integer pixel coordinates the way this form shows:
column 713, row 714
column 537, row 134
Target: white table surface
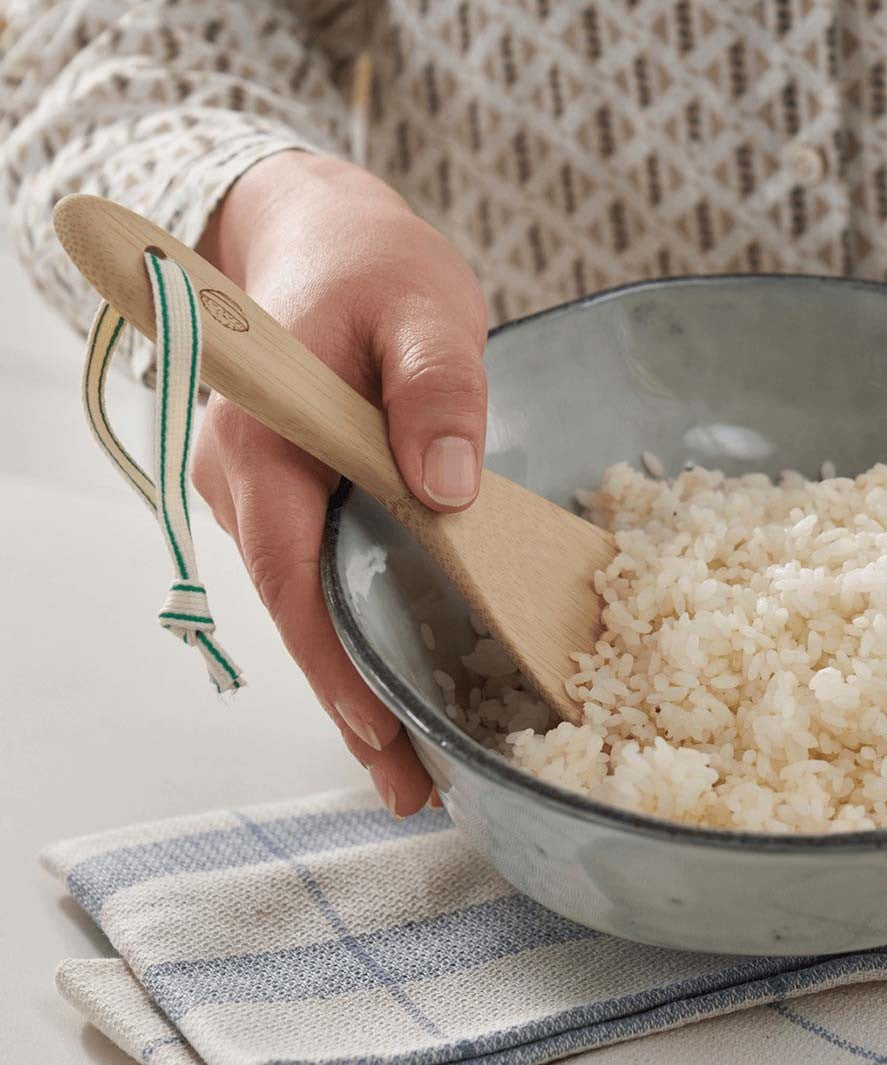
column 105, row 719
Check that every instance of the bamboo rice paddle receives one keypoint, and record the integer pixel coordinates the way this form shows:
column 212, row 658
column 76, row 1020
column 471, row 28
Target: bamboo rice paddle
column 523, row 564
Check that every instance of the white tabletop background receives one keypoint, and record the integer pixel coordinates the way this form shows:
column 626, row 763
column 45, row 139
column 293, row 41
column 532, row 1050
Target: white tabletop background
column 105, row 718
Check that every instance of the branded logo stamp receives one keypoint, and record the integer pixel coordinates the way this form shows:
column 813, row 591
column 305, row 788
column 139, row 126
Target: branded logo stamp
column 225, row 311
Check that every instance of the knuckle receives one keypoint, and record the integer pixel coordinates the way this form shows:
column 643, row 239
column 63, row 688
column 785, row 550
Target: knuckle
column 434, row 380
column 202, row 466
column 225, row 422
column 271, row 580
column 280, row 576
column 222, row 520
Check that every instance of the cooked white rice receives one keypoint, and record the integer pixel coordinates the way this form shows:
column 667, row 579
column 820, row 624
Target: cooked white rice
column 428, row 636
column 653, row 464
column 741, row 677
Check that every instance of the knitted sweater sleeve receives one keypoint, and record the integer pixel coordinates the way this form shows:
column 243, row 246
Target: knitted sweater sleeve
column 158, row 104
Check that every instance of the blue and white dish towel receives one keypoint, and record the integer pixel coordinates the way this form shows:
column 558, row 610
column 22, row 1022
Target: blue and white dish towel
column 324, row 931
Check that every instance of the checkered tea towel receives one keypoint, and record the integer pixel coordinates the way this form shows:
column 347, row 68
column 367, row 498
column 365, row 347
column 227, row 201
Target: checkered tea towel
column 325, row 931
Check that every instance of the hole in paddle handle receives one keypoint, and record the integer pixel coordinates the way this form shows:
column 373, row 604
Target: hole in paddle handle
column 153, row 250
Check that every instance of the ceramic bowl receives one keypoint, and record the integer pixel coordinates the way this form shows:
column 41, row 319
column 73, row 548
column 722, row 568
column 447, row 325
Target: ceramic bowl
column 739, row 373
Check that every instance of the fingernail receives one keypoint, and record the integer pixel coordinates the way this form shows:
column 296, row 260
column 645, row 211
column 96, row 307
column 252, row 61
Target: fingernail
column 449, row 471
column 359, row 726
column 383, row 785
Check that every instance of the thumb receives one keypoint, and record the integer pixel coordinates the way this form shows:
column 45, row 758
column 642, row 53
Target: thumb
column 434, row 391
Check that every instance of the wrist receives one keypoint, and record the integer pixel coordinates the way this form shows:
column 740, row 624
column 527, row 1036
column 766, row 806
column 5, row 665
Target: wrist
column 239, row 226
column 254, row 224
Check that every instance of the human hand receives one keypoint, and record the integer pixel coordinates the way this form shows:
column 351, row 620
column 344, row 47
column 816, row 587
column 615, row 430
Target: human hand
column 339, row 259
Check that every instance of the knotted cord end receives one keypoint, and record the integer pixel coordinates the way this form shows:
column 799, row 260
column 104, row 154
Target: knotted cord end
column 186, row 611
column 186, row 614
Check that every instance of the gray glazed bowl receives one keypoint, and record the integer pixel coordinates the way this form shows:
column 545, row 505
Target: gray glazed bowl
column 740, row 373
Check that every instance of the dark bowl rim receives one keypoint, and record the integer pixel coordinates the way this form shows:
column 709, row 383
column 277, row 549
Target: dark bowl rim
column 419, row 713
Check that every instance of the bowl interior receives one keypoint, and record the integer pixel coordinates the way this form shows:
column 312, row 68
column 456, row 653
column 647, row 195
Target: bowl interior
column 738, row 373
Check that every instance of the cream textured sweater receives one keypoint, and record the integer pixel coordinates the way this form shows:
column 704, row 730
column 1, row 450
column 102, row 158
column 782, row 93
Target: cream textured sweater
column 563, row 145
